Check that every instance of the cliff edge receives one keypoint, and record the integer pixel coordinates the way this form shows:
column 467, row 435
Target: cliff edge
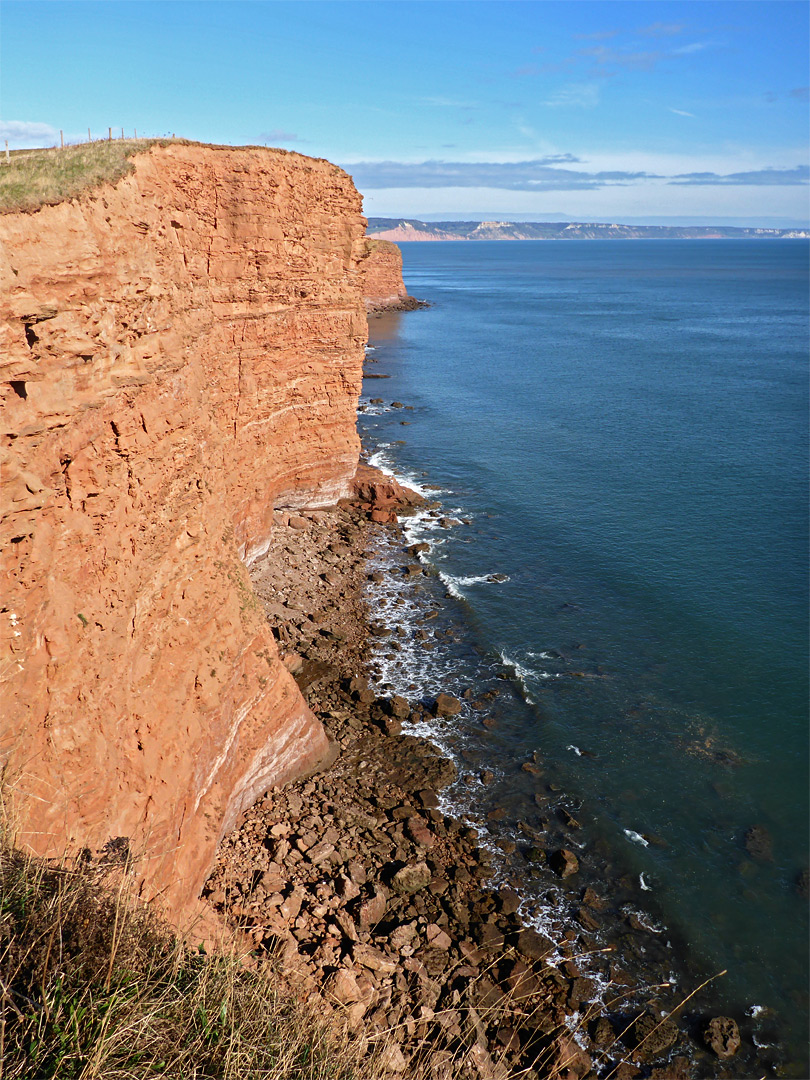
column 180, row 354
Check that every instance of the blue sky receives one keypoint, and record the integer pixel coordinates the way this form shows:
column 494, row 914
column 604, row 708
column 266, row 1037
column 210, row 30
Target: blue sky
column 590, row 110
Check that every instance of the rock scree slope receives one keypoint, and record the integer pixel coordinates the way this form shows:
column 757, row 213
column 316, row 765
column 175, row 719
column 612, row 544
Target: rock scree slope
column 180, row 354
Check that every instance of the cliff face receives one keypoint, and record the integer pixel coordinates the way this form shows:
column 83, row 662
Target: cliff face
column 178, row 355
column 381, row 277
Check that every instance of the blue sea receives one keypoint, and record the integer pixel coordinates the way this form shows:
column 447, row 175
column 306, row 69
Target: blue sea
column 614, row 435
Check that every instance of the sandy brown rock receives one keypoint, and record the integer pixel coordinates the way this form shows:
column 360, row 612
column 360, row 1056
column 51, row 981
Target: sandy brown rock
column 180, row 354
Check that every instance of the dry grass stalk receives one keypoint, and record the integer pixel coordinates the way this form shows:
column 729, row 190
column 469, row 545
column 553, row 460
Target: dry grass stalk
column 93, row 985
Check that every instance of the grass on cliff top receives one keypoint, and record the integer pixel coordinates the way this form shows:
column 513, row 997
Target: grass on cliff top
column 35, row 178
column 92, row 985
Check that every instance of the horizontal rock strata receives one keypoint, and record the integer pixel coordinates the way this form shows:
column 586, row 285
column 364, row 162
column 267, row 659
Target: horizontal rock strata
column 179, row 354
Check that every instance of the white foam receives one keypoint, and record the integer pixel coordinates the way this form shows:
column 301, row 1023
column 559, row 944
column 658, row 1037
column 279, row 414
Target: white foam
column 756, row 1011
column 576, row 749
column 761, row 1045
column 644, row 886
column 380, row 460
column 522, row 674
column 644, row 920
column 451, row 586
column 456, row 585
column 637, row 838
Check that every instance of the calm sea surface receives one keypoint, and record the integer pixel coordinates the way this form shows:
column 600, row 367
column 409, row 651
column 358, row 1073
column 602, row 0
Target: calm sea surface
column 623, row 428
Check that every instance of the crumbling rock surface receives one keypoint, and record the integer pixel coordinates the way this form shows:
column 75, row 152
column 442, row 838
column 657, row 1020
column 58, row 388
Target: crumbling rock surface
column 179, row 354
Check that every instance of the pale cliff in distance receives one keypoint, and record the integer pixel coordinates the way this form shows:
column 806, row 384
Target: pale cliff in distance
column 400, row 229
column 181, row 354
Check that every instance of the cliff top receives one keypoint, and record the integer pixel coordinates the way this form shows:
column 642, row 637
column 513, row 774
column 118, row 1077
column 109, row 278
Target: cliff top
column 36, row 178
column 375, row 244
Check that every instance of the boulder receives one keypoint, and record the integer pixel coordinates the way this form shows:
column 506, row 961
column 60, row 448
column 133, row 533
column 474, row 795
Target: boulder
column 446, row 705
column 564, row 863
column 411, row 879
column 569, row 1061
column 342, row 987
column 532, row 945
column 722, row 1035
column 373, row 959
column 652, row 1036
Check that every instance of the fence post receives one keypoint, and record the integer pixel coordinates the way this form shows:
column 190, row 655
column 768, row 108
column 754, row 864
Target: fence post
column 109, row 134
column 122, row 133
column 136, row 133
column 8, row 156
column 89, row 137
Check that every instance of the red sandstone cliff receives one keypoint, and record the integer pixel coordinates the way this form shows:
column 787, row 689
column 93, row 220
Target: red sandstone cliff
column 381, row 278
column 178, row 355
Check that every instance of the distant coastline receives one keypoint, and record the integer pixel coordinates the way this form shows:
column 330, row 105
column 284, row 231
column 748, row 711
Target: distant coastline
column 405, row 229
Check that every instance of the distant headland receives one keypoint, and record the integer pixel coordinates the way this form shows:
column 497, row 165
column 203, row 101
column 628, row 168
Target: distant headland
column 399, row 229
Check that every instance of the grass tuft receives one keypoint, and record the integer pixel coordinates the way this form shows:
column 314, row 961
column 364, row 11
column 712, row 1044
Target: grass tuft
column 94, row 985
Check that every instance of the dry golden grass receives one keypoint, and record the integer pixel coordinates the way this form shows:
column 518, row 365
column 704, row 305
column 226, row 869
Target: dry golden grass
column 92, row 985
column 35, row 178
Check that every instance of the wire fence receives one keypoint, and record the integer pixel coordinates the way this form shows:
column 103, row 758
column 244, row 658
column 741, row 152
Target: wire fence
column 109, row 137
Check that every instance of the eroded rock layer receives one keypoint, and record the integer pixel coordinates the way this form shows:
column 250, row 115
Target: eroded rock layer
column 178, row 355
column 381, row 277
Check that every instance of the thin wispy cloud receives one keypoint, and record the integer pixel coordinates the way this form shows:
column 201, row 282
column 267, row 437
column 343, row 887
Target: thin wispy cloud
column 583, row 95
column 547, row 174
column 661, row 29
column 542, row 174
column 604, row 59
column 800, row 175
column 681, row 112
column 449, row 103
column 279, row 136
column 691, row 48
column 600, row 35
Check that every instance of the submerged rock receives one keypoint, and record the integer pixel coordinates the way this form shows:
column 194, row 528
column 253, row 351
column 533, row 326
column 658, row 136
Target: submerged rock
column 564, row 863
column 758, row 843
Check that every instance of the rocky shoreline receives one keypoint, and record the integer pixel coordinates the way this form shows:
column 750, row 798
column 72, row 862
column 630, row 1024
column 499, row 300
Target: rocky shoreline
column 366, row 894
